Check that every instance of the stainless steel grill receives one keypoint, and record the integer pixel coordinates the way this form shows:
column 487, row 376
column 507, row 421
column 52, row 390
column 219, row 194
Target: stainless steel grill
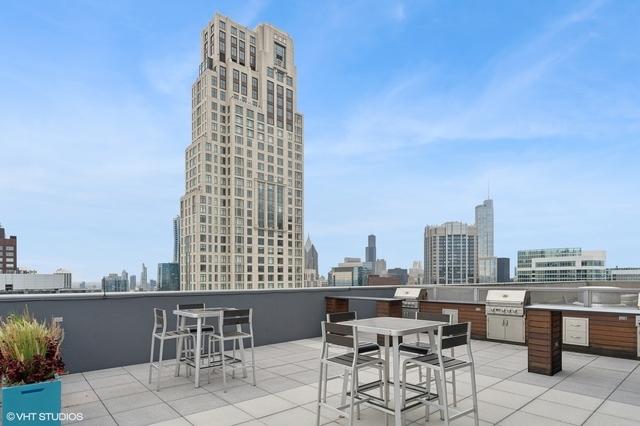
column 411, row 298
column 505, row 314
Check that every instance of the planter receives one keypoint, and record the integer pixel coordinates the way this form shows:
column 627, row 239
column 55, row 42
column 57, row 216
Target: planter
column 32, row 404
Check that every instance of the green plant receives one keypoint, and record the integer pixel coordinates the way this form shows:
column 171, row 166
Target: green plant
column 29, row 350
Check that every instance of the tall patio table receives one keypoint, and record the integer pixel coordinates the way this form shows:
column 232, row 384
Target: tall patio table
column 394, row 328
column 199, row 315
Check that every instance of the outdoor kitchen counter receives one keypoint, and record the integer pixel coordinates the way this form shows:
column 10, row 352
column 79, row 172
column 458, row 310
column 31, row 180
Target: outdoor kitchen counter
column 467, row 312
column 601, row 330
column 595, row 309
column 385, row 306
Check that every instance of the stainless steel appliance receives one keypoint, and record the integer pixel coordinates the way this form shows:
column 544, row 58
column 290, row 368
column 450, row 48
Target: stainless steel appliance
column 411, row 297
column 505, row 314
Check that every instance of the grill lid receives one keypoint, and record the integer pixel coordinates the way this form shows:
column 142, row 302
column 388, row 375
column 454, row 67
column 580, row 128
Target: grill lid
column 410, row 293
column 506, row 297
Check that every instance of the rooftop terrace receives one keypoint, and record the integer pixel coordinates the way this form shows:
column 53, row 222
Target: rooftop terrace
column 107, row 340
column 591, row 390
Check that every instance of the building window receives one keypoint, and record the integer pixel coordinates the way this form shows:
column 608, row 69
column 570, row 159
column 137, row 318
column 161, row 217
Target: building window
column 280, row 55
column 254, row 88
column 222, row 46
column 243, row 85
column 236, row 81
column 234, row 49
column 270, row 102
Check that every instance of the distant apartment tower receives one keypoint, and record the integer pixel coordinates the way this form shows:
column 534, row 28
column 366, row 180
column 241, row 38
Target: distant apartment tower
column 66, row 277
column 115, row 283
column 132, row 283
column 623, row 274
column 504, row 269
column 351, row 272
column 401, row 273
column 144, row 285
column 8, row 253
column 176, row 239
column 381, row 266
column 168, row 276
column 487, row 263
column 561, row 264
column 450, row 253
column 242, row 210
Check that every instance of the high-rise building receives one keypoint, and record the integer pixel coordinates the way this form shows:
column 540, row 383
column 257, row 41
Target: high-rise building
column 416, row 273
column 8, row 253
column 381, row 266
column 176, row 239
column 114, row 282
column 487, row 262
column 370, row 254
column 310, row 255
column 561, row 264
column 401, row 273
column 351, row 272
column 132, row 283
column 311, row 274
column 168, row 276
column 66, row 276
column 504, row 269
column 450, row 253
column 243, row 206
column 144, row 285
column 153, row 285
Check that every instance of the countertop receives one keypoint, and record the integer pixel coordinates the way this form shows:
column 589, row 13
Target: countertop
column 594, row 309
column 377, row 299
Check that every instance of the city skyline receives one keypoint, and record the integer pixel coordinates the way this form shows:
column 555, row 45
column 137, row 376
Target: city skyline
column 517, row 109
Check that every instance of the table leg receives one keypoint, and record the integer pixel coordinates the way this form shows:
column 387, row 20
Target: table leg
column 396, row 382
column 434, row 349
column 179, row 344
column 386, row 370
column 198, row 349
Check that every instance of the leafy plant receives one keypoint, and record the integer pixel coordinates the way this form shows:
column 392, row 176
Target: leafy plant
column 29, row 350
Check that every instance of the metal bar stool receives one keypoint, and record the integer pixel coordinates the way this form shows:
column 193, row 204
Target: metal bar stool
column 160, row 332
column 449, row 336
column 363, row 348
column 424, row 348
column 346, row 337
column 236, row 318
column 187, row 345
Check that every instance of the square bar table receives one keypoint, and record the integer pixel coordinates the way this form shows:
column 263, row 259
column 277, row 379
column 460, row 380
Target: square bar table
column 391, row 327
column 199, row 315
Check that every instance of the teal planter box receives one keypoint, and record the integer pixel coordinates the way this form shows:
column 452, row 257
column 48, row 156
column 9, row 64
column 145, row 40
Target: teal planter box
column 33, row 404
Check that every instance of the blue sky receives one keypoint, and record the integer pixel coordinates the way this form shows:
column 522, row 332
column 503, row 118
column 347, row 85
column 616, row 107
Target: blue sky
column 411, row 107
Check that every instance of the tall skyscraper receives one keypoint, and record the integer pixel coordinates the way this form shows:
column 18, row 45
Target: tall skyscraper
column 168, row 277
column 487, row 262
column 370, row 250
column 143, row 278
column 310, row 255
column 242, row 211
column 450, row 253
column 8, row 253
column 132, row 282
column 176, row 239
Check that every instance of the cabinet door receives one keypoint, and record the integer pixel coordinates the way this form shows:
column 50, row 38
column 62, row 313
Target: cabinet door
column 495, row 327
column 515, row 329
